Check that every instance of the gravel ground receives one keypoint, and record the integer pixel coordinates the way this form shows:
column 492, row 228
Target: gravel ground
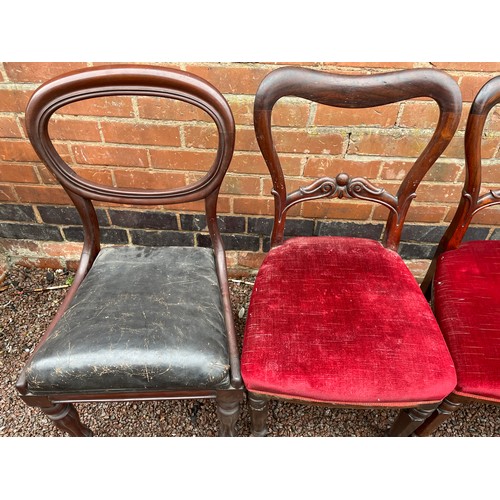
column 25, row 313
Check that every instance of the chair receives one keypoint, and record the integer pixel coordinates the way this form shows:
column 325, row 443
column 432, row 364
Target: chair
column 465, row 283
column 138, row 323
column 336, row 320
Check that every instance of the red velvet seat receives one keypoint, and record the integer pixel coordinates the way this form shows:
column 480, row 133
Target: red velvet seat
column 336, row 320
column 467, row 305
column 465, row 281
column 317, row 327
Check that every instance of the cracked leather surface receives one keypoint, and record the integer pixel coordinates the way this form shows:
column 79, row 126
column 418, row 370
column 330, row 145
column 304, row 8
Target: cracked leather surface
column 143, row 319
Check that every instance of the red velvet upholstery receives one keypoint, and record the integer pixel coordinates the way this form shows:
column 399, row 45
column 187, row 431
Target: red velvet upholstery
column 342, row 320
column 467, row 306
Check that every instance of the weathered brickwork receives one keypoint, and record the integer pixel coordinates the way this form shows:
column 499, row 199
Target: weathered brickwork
column 150, row 142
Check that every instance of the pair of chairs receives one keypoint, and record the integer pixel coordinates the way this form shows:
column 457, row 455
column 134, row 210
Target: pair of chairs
column 332, row 320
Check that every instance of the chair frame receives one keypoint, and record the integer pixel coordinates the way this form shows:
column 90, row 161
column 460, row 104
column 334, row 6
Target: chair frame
column 345, row 91
column 471, row 203
column 145, row 81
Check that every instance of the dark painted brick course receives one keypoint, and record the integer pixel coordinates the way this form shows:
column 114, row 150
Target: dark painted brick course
column 496, row 234
column 30, row 232
column 422, row 233
column 67, row 215
column 143, row 220
column 109, row 235
column 293, row 227
column 19, row 213
column 227, row 224
column 476, row 233
column 161, row 238
column 232, row 241
column 416, row 251
column 349, row 229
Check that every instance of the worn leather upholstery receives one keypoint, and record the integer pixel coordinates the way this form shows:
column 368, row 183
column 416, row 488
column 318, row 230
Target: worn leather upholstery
column 143, row 318
column 467, row 306
column 343, row 320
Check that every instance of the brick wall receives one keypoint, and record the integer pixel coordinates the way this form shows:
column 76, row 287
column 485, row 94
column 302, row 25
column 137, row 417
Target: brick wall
column 145, row 142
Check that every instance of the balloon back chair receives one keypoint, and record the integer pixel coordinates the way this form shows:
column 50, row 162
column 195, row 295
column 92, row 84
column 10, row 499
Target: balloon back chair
column 138, row 323
column 465, row 281
column 341, row 321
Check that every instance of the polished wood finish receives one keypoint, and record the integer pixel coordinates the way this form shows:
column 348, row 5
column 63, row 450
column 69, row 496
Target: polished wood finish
column 145, row 81
column 471, row 203
column 345, row 91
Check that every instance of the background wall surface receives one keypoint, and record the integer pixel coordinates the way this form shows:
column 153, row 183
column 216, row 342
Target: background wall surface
column 145, row 142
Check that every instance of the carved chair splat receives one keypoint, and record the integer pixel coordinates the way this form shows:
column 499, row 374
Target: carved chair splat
column 342, row 321
column 167, row 330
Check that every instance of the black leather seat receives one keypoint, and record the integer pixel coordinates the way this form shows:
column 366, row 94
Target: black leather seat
column 144, row 318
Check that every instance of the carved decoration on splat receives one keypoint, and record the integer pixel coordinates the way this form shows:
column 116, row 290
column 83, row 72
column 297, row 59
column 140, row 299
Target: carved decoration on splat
column 344, row 186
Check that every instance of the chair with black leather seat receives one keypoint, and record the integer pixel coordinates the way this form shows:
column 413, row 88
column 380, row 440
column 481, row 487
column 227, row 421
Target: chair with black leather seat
column 138, row 323
column 341, row 321
column 465, row 281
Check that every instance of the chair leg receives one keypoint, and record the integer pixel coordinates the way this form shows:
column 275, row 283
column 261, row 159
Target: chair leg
column 228, row 410
column 444, row 411
column 66, row 418
column 410, row 419
column 259, row 409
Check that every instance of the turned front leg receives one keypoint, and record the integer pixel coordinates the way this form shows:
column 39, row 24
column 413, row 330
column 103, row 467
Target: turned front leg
column 259, row 409
column 410, row 419
column 443, row 412
column 65, row 417
column 228, row 410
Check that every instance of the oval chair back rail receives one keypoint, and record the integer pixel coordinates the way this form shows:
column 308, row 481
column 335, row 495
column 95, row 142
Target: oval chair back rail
column 464, row 280
column 341, row 321
column 138, row 323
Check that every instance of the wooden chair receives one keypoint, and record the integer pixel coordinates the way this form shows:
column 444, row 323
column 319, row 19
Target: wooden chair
column 465, row 280
column 138, row 323
column 341, row 321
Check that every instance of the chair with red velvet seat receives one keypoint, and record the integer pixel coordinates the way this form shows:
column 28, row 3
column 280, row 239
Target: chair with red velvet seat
column 138, row 323
column 465, row 280
column 341, row 321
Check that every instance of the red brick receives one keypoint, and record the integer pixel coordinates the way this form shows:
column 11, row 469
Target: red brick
column 38, row 71
column 429, row 214
column 9, row 127
column 286, row 112
column 43, row 194
column 111, row 155
column 253, row 206
column 426, row 114
column 382, row 116
column 336, row 209
column 17, row 173
column 439, row 193
column 158, row 108
column 138, row 133
column 67, row 249
column 387, row 143
column 253, row 260
column 7, row 193
column 468, row 66
column 491, row 174
column 14, row 100
column 255, row 164
column 17, row 151
column 149, row 180
column 203, row 137
column 231, row 79
column 113, row 106
column 490, row 216
column 292, row 184
column 99, row 176
column 418, row 268
column 74, row 130
column 471, row 84
column 319, row 142
column 330, row 167
column 182, row 160
column 45, row 174
column 493, row 123
column 233, row 184
column 223, row 206
column 369, row 65
column 439, row 172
